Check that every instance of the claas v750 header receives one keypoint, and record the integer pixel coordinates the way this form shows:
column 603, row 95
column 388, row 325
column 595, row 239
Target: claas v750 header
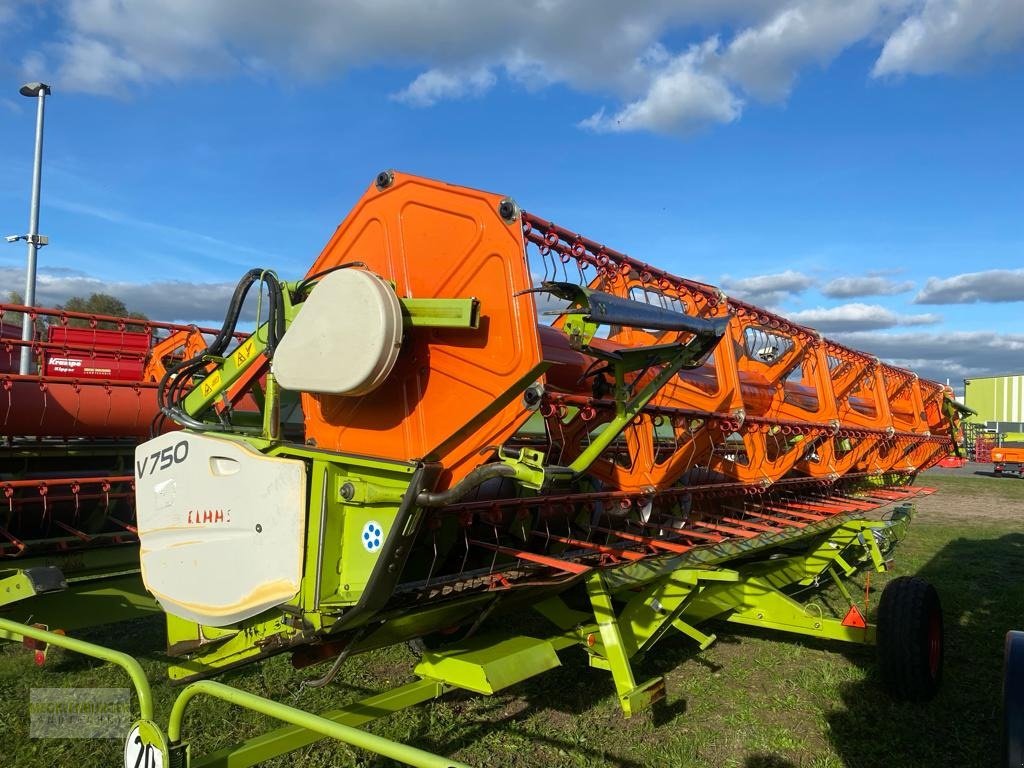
column 650, row 456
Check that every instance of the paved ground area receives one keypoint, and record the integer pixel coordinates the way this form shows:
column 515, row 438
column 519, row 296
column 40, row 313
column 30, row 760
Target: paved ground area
column 970, row 469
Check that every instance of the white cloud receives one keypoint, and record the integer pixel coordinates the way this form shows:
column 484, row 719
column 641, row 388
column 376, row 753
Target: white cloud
column 681, row 99
column 994, row 285
column 730, row 51
column 436, row 85
column 857, row 317
column 938, row 356
column 869, row 285
column 765, row 60
column 167, row 300
column 948, row 35
column 767, row 290
column 93, row 66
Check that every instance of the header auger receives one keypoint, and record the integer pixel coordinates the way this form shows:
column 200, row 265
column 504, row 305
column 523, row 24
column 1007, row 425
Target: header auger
column 656, row 456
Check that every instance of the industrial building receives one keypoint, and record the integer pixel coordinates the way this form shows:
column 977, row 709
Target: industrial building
column 999, row 403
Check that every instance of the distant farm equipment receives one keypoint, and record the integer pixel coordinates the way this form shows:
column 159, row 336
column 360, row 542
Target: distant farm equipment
column 1008, row 459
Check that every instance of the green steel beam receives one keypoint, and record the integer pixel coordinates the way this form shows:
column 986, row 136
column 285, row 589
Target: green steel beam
column 227, row 371
column 441, row 313
column 291, row 737
column 15, row 587
column 626, row 408
column 764, row 606
column 487, row 665
column 90, row 603
column 612, row 653
column 838, row 581
column 81, row 564
column 305, row 720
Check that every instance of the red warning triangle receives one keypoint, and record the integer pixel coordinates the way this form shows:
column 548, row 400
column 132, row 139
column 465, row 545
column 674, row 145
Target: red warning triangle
column 854, row 618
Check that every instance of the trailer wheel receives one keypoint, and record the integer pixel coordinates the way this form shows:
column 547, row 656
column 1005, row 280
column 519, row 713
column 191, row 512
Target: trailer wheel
column 1013, row 699
column 910, row 639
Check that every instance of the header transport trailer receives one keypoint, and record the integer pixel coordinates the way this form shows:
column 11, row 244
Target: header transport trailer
column 653, row 456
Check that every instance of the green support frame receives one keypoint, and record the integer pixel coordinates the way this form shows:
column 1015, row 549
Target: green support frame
column 631, row 615
column 70, row 592
column 630, row 612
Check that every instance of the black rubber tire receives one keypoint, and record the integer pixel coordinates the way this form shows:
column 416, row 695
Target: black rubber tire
column 910, row 639
column 1013, row 699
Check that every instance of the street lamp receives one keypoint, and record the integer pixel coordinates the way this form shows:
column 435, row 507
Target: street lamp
column 35, row 241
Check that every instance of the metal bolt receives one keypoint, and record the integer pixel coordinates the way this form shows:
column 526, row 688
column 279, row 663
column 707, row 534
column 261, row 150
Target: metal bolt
column 348, row 491
column 385, row 179
column 508, row 210
column 532, row 395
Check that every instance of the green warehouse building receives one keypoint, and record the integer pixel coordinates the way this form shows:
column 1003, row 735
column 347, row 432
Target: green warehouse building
column 999, row 402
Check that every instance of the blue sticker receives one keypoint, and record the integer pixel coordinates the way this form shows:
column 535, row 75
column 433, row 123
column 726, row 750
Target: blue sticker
column 373, row 536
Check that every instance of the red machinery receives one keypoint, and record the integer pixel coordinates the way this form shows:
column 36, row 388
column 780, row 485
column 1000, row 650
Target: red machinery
column 93, row 353
column 66, row 472
column 8, row 354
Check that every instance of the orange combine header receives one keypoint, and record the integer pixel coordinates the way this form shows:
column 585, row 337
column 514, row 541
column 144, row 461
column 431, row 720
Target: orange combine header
column 774, row 400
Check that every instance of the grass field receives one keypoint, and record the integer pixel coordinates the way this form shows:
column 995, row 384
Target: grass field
column 752, row 700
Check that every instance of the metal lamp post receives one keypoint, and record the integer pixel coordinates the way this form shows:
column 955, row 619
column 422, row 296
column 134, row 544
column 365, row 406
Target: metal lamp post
column 38, row 91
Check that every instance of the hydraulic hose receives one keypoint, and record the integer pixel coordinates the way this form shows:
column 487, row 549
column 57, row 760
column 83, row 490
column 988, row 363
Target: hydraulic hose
column 173, row 386
column 474, row 479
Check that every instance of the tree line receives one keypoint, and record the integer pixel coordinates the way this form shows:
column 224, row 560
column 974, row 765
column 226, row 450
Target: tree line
column 93, row 304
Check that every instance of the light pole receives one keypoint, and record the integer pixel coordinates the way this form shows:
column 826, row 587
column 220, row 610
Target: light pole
column 39, row 91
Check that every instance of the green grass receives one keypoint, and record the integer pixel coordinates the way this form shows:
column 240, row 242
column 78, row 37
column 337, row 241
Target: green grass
column 752, row 700
column 1008, row 488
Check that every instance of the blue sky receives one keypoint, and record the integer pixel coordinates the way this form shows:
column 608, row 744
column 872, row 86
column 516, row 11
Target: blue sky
column 854, row 165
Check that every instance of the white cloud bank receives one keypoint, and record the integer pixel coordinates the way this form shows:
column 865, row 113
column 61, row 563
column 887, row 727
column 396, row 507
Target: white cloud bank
column 167, row 300
column 857, row 317
column 947, row 35
column 868, row 285
column 749, row 49
column 767, row 290
column 993, row 285
column 938, row 356
column 436, row 85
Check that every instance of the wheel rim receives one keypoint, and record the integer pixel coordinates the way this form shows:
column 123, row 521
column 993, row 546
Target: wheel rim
column 934, row 643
